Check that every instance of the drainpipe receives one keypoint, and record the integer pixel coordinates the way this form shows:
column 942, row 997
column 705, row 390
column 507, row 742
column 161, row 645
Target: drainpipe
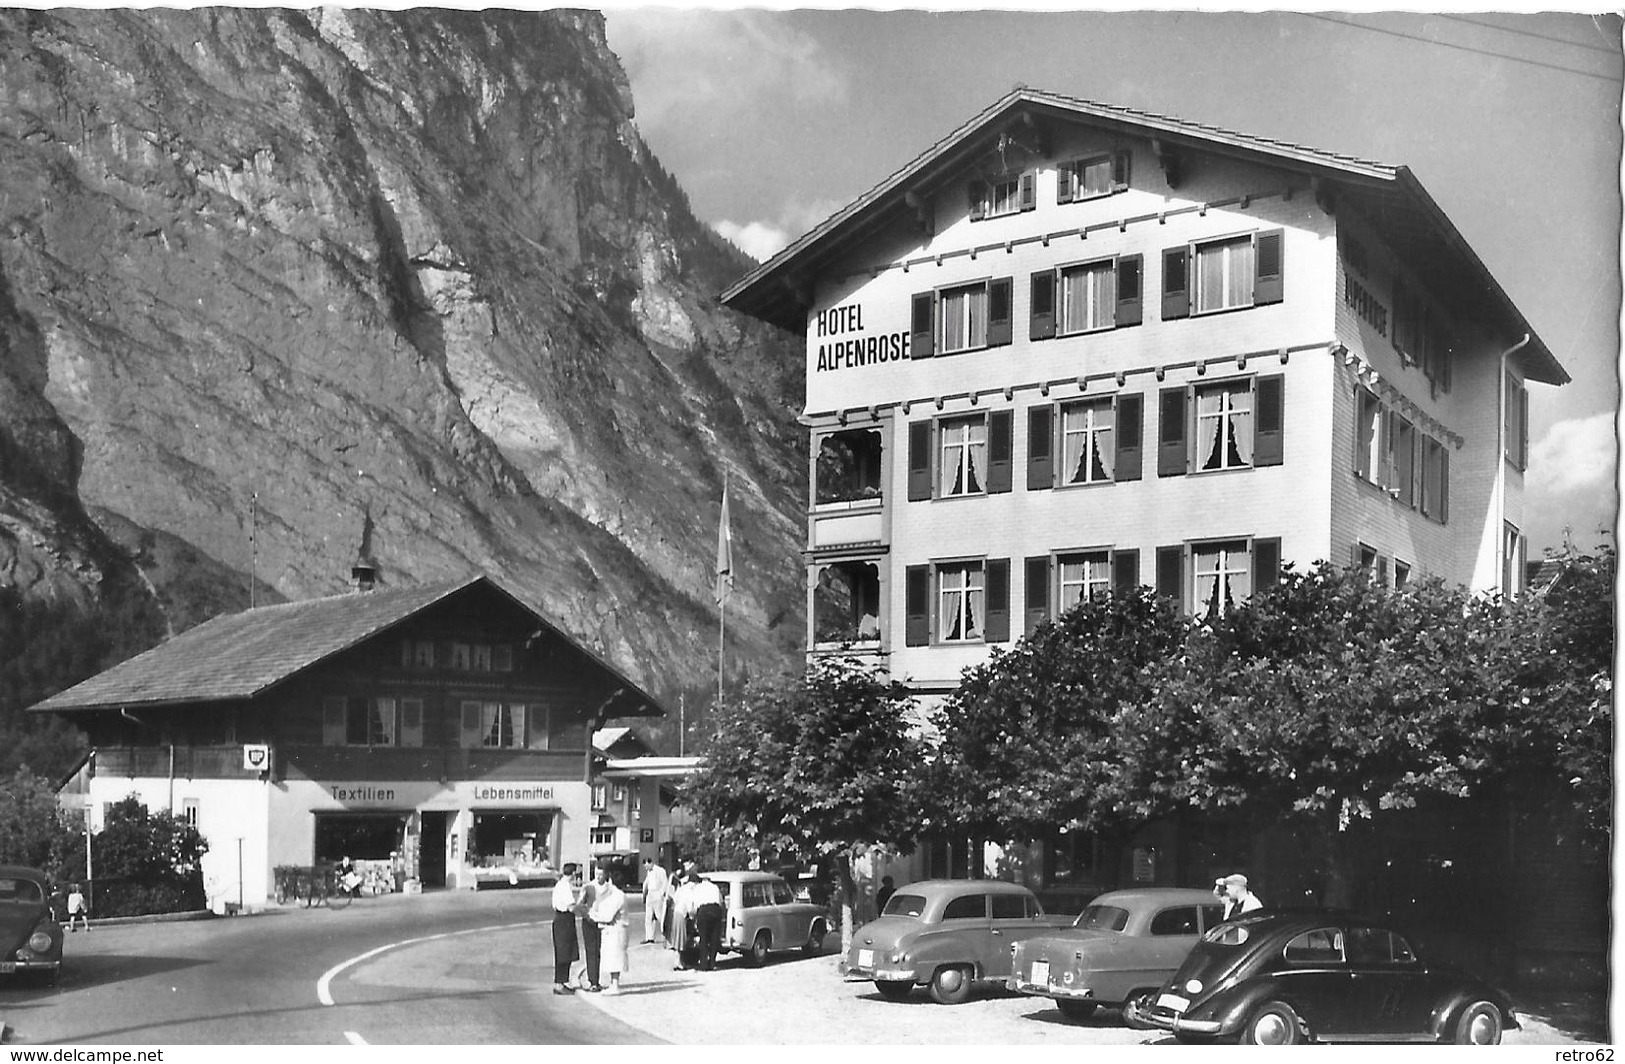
column 1501, row 466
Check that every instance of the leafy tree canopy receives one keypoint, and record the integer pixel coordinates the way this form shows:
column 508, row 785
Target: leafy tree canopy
column 33, row 830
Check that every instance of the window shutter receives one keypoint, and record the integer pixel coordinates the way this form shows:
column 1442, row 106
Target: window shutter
column 516, row 716
column 332, row 721
column 917, row 605
column 411, row 722
column 1171, row 459
column 1176, row 294
column 1042, row 320
column 1128, row 290
column 1029, row 191
column 1130, row 436
column 923, row 325
column 1120, row 171
column 1266, row 563
column 976, row 193
column 540, row 722
column 1125, row 571
column 1000, row 313
column 1000, row 450
column 1064, row 178
column 1267, row 267
column 1040, row 447
column 1269, row 420
column 997, row 573
column 919, row 460
column 1035, row 589
column 1444, row 483
column 471, row 734
column 1355, row 552
column 1382, row 570
column 1171, row 575
column 1523, row 428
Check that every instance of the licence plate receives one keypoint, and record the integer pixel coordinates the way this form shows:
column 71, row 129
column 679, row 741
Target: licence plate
column 7, row 967
column 866, row 958
column 1040, row 973
column 1173, row 1002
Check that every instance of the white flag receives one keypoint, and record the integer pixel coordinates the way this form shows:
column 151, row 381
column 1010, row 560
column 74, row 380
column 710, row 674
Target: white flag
column 725, row 552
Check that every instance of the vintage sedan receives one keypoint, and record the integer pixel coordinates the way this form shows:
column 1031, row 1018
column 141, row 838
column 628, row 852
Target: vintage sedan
column 948, row 935
column 30, row 937
column 1315, row 975
column 1122, row 947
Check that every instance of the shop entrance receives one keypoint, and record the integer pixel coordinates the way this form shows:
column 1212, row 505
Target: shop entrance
column 432, row 850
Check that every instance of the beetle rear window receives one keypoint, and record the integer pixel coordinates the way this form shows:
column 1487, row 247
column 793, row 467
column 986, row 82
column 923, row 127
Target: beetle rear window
column 905, row 905
column 20, row 892
column 1226, row 935
column 1103, row 918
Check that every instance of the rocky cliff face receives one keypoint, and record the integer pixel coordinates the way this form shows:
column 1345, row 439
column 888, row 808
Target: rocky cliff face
column 271, row 277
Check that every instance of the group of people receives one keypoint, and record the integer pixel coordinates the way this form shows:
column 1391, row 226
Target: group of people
column 600, row 908
column 1232, row 890
column 684, row 910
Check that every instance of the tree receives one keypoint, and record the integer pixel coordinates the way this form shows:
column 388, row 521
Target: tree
column 33, row 829
column 1027, row 740
column 151, row 862
column 813, row 764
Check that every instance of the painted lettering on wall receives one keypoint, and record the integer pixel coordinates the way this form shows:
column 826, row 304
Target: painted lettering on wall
column 362, row 793
column 484, row 793
column 854, row 350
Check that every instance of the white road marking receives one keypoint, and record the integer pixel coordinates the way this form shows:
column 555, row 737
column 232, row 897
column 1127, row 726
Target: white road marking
column 354, row 1039
column 324, row 984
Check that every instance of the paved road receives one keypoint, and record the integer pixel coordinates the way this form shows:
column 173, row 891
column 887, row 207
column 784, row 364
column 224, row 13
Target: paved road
column 448, row 968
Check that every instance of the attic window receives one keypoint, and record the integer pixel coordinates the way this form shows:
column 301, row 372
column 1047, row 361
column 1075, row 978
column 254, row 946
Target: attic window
column 1008, row 194
column 1098, row 175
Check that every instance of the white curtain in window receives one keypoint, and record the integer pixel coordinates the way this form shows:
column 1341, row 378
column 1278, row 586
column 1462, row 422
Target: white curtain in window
column 953, row 320
column 973, row 603
column 1088, row 295
column 953, row 604
column 1209, row 444
column 381, row 725
column 1224, row 275
column 1239, row 399
column 1239, row 287
column 976, row 454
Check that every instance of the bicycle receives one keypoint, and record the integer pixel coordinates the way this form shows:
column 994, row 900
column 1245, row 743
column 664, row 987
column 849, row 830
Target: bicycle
column 333, row 892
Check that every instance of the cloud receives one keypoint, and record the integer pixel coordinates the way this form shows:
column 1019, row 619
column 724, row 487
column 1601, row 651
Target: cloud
column 1576, row 455
column 756, row 239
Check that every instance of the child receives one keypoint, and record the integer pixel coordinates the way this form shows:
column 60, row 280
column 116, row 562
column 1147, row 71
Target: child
column 77, row 909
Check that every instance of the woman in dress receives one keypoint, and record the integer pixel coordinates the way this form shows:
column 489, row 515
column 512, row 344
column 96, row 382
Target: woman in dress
column 564, row 930
column 609, row 913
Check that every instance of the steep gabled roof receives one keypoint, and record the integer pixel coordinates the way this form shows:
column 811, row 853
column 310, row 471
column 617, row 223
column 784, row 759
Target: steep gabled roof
column 1390, row 196
column 239, row 656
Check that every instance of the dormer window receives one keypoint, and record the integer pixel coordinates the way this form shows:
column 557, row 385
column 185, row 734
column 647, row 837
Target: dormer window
column 1098, row 175
column 1008, row 194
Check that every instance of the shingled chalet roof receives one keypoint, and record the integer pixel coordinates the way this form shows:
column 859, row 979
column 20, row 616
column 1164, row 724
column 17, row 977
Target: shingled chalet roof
column 239, row 656
column 1388, row 195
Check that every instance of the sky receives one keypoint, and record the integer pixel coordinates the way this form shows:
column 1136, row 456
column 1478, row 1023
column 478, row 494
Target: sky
column 772, row 120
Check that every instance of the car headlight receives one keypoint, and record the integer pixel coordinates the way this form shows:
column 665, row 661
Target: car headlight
column 40, row 942
column 1193, row 986
column 899, row 957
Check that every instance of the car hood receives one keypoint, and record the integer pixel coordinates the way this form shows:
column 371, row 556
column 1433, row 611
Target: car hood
column 17, row 921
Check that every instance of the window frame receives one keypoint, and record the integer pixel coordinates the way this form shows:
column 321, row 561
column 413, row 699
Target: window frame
column 982, row 291
column 1091, row 439
column 940, row 428
column 1107, row 305
column 1088, row 586
column 1071, row 187
column 1196, row 547
column 1249, row 240
column 1226, row 418
column 966, row 566
column 338, row 727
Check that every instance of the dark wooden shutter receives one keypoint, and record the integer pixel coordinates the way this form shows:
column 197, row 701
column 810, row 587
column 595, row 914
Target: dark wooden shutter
column 1000, row 451
column 923, row 325
column 1171, row 575
column 1382, row 570
column 1000, row 313
column 919, row 460
column 1065, row 178
column 333, row 732
column 1266, row 562
column 1040, row 447
column 1523, row 428
column 1125, row 571
column 411, row 722
column 1269, row 420
column 996, row 581
column 1129, row 301
column 1171, row 459
column 1130, row 433
column 1035, row 588
column 917, row 605
column 1042, row 320
column 1444, row 483
column 1176, row 289
column 1267, row 267
column 1029, row 191
column 1120, row 171
column 471, row 735
column 976, row 196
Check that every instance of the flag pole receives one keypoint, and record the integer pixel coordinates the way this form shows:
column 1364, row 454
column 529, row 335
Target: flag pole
column 724, row 580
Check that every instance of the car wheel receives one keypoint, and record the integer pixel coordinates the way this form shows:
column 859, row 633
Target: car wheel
column 815, row 939
column 1273, row 1024
column 951, row 985
column 1480, row 1025
column 1133, row 1017
column 1077, row 1010
column 759, row 949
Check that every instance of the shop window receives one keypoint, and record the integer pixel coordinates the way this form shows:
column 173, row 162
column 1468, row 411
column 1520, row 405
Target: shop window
column 848, row 466
column 846, row 604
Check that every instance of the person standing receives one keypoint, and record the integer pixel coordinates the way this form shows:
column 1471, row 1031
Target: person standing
column 655, row 883
column 707, row 901
column 609, row 913
column 863, row 879
column 883, row 895
column 1238, row 900
column 586, row 895
column 565, row 951
column 78, row 909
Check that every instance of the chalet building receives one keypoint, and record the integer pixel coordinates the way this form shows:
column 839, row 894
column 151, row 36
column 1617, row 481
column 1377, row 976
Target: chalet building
column 1074, row 347
column 437, row 735
column 627, row 773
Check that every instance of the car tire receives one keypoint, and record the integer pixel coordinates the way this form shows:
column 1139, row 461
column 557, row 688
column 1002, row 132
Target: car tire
column 760, row 947
column 815, row 939
column 892, row 990
column 1073, row 1009
column 1272, row 1024
column 950, row 985
column 1479, row 1025
column 1142, row 1001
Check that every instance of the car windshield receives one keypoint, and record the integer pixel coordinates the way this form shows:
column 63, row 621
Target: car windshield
column 905, row 905
column 20, row 892
column 1102, row 918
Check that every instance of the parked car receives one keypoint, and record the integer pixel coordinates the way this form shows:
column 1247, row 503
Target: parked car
column 1123, row 946
column 625, row 868
column 1315, row 975
column 762, row 916
column 30, row 937
column 948, row 935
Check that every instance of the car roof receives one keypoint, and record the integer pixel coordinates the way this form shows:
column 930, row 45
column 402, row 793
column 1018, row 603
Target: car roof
column 1133, row 896
column 741, row 876
column 955, row 887
column 1267, row 921
column 23, row 872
